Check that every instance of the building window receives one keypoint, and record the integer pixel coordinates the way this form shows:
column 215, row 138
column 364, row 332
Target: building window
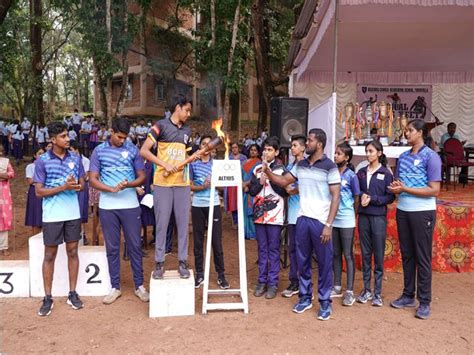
column 129, row 92
column 159, row 91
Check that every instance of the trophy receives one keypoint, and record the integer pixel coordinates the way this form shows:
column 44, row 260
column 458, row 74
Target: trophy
column 368, row 121
column 403, row 127
column 383, row 116
column 350, row 122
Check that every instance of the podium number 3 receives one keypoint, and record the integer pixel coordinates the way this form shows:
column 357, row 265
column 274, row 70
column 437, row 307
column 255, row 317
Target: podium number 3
column 96, row 268
column 7, row 276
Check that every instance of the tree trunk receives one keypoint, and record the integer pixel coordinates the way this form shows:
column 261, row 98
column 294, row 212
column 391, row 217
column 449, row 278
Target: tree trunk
column 101, row 84
column 36, row 13
column 235, row 27
column 123, row 88
column 261, row 43
column 53, row 90
column 108, row 92
column 218, row 81
column 87, row 106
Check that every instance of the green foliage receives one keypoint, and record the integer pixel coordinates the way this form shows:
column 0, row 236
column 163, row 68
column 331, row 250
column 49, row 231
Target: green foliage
column 15, row 57
column 213, row 60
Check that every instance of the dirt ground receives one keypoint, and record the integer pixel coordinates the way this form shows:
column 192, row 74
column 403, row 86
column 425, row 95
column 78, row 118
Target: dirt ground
column 270, row 326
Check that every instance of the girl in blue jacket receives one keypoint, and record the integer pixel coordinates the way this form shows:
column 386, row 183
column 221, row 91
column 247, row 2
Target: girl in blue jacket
column 374, row 181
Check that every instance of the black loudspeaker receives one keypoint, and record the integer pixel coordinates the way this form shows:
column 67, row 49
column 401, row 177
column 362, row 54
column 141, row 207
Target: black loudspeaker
column 289, row 117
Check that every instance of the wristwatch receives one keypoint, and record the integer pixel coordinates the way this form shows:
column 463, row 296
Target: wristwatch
column 329, row 225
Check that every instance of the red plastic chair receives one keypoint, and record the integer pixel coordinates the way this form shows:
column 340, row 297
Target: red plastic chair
column 455, row 158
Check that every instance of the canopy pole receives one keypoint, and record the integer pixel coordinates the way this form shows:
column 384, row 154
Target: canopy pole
column 336, row 30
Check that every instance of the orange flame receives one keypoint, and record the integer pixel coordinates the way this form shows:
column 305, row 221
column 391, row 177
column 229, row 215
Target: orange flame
column 216, row 125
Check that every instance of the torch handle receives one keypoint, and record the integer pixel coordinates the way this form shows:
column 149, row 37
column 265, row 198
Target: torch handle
column 209, row 146
column 188, row 160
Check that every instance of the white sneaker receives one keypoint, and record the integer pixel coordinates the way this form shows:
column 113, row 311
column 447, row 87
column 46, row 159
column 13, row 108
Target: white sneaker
column 112, row 296
column 336, row 291
column 142, row 294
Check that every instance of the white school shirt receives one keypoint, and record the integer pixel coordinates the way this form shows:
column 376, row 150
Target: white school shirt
column 103, row 135
column 25, row 126
column 72, row 135
column 40, row 135
column 76, row 118
column 142, row 131
column 86, row 126
column 86, row 163
column 16, row 132
column 30, row 171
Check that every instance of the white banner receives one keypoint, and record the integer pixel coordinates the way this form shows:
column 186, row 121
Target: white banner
column 324, row 116
column 412, row 100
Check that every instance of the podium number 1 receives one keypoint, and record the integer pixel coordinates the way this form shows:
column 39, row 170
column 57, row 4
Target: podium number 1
column 96, row 268
column 7, row 276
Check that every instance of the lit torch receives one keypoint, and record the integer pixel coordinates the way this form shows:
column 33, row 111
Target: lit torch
column 221, row 138
column 216, row 125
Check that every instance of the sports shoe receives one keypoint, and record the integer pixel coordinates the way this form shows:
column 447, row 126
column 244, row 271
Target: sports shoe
column 348, row 299
column 403, row 302
column 183, row 270
column 222, row 282
column 198, row 281
column 423, row 311
column 292, row 289
column 325, row 310
column 74, row 301
column 302, row 305
column 377, row 301
column 271, row 292
column 142, row 294
column 364, row 296
column 336, row 291
column 112, row 296
column 159, row 271
column 46, row 306
column 260, row 290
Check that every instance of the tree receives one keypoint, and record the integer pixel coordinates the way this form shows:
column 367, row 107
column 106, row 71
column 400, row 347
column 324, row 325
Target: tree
column 5, row 5
column 221, row 48
column 271, row 24
column 15, row 59
column 36, row 45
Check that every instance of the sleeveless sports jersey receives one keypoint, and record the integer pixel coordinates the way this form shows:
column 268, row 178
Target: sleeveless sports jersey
column 173, row 143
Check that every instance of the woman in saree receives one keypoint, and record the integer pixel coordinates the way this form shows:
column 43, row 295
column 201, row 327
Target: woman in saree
column 247, row 171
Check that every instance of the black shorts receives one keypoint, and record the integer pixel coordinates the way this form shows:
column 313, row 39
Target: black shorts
column 55, row 233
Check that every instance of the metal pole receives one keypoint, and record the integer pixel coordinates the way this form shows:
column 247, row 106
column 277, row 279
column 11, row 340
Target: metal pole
column 336, row 30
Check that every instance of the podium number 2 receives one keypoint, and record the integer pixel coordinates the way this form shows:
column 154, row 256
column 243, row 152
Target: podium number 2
column 7, row 276
column 96, row 268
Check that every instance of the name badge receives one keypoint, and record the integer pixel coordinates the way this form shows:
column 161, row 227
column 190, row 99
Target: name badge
column 416, row 162
column 344, row 182
column 380, row 176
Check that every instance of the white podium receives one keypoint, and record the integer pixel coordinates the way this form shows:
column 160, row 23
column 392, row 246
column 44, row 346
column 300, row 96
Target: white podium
column 14, row 278
column 172, row 296
column 93, row 278
column 226, row 173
